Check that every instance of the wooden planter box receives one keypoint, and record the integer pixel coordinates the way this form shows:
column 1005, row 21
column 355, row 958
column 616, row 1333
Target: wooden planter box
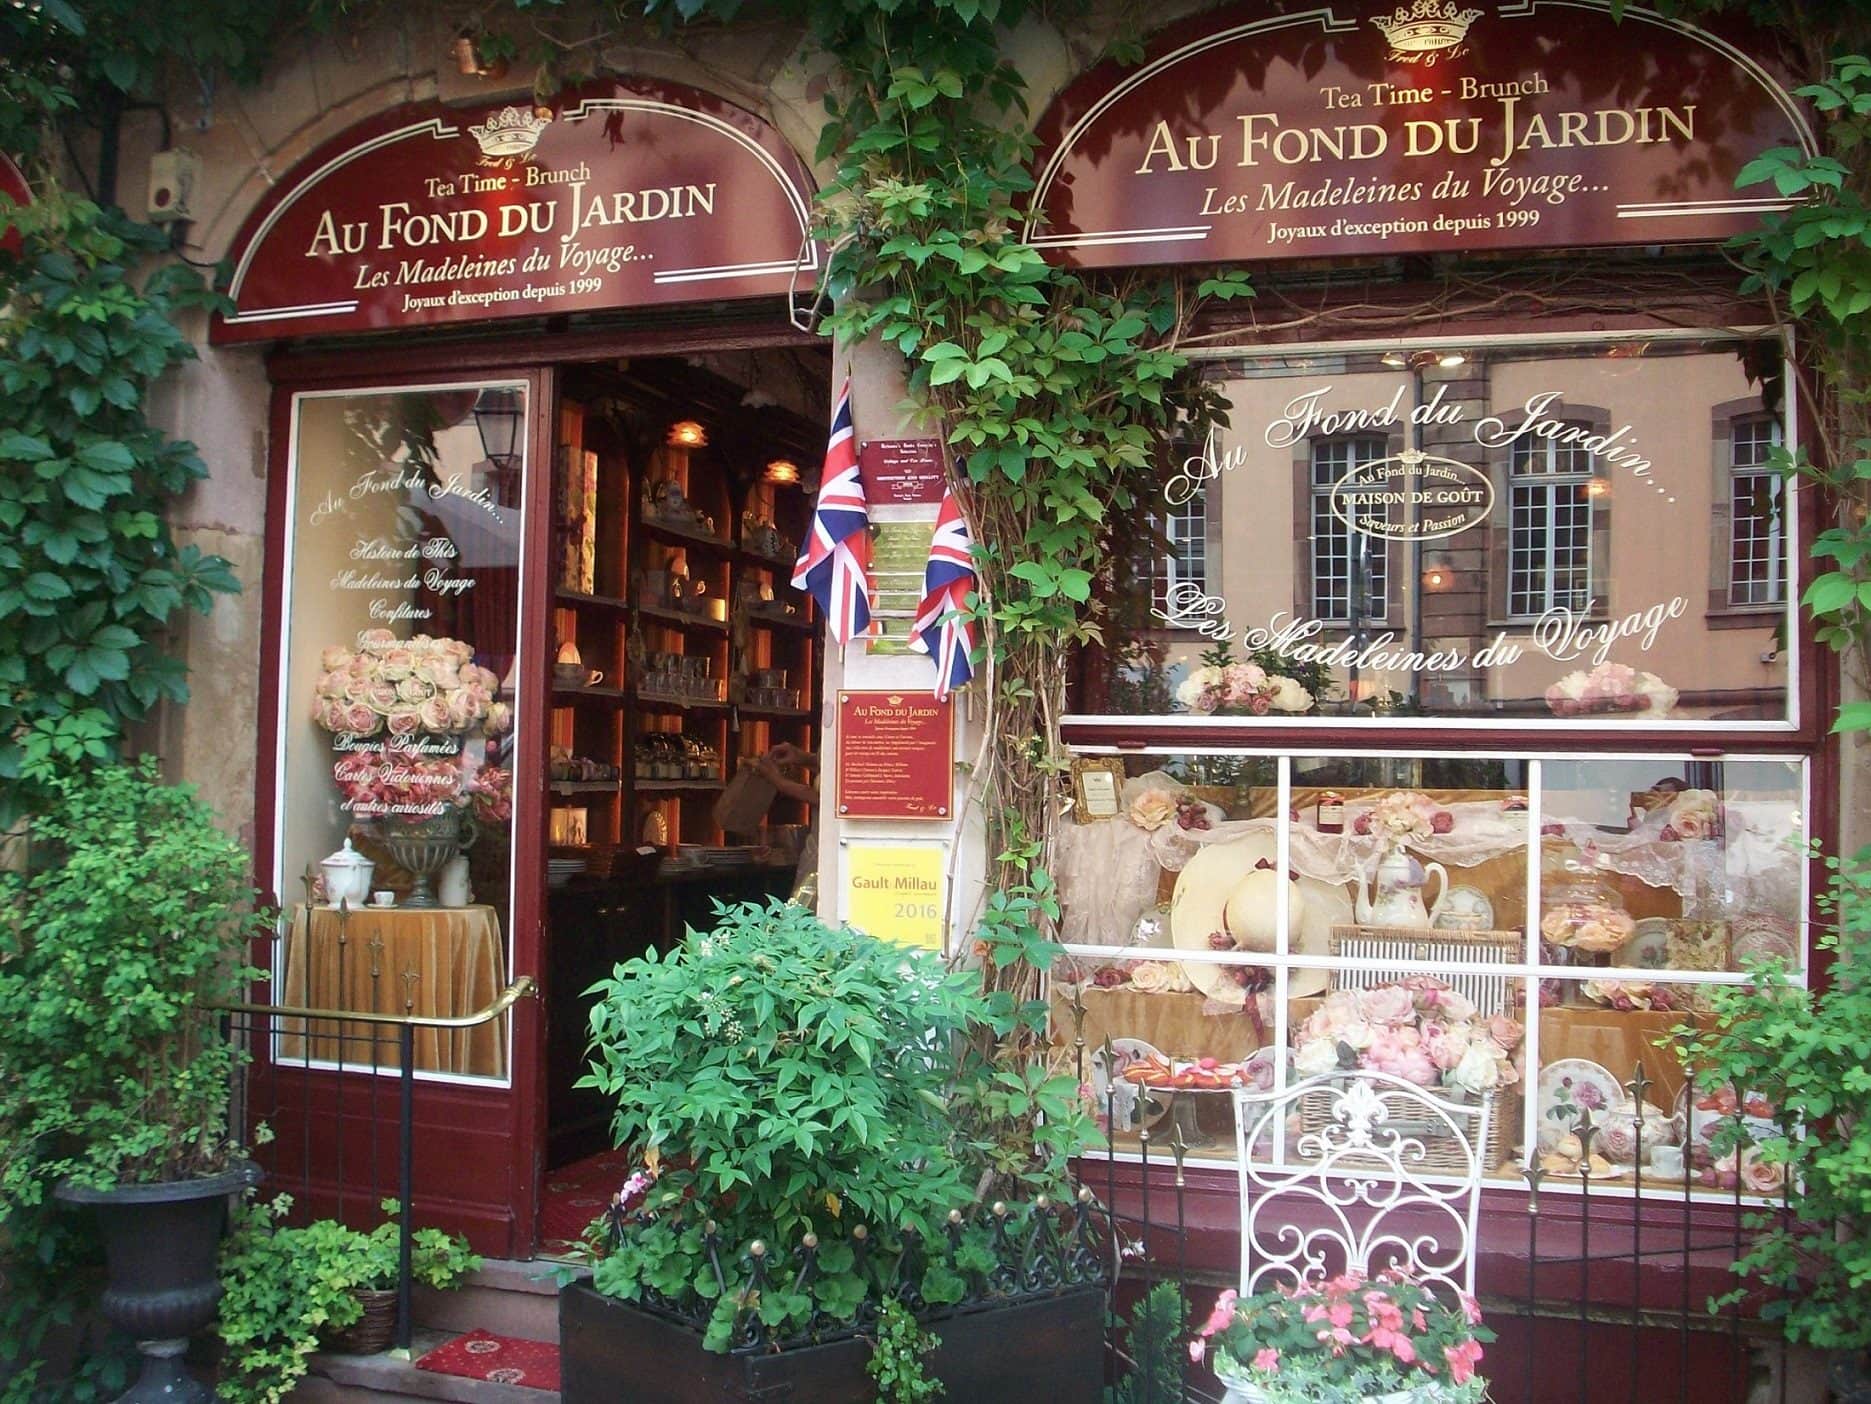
column 1050, row 1349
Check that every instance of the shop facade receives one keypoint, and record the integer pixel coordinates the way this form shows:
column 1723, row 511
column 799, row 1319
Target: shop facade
column 1465, row 649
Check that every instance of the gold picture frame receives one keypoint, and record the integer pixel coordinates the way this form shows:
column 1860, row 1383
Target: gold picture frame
column 1097, row 788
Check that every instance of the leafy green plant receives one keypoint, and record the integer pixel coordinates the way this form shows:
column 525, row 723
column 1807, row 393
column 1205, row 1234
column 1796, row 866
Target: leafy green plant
column 1814, row 261
column 1808, row 1052
column 1347, row 1337
column 897, row 1358
column 90, row 575
column 1155, row 1335
column 792, row 1085
column 289, row 1288
column 133, row 916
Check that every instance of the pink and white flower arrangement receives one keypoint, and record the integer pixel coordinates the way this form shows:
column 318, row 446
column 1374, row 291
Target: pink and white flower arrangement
column 1417, row 1029
column 1242, row 687
column 1404, row 816
column 1610, row 687
column 405, row 687
column 1347, row 1337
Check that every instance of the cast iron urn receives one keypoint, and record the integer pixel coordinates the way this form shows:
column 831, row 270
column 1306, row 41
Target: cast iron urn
column 160, row 1244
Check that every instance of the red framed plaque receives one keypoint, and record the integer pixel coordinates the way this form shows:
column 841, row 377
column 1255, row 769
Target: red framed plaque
column 619, row 194
column 1369, row 127
column 896, row 756
column 902, row 472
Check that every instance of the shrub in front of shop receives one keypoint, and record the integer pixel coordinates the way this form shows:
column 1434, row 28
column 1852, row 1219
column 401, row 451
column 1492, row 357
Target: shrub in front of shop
column 815, row 1136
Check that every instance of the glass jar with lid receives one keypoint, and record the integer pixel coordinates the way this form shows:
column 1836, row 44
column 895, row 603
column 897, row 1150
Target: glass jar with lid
column 1583, row 912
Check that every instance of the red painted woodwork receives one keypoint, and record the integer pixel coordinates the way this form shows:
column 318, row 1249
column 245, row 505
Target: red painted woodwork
column 1246, row 134
column 625, row 193
column 13, row 186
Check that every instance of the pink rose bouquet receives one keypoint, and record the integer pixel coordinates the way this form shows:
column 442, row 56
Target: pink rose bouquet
column 1610, row 687
column 1242, row 688
column 1404, row 816
column 1347, row 1337
column 406, row 687
column 1417, row 1029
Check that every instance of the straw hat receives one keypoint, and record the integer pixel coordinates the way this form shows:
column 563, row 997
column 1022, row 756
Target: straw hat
column 1222, row 889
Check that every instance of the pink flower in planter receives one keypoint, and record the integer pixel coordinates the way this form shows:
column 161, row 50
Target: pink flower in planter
column 1223, row 1313
column 1267, row 1359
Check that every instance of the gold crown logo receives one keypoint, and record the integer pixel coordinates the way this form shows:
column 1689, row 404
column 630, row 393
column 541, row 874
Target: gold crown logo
column 512, row 131
column 1426, row 27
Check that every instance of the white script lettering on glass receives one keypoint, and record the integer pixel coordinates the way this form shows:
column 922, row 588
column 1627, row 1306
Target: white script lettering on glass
column 1564, row 634
column 1561, row 634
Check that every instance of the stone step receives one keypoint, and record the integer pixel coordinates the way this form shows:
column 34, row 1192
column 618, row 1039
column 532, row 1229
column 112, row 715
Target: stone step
column 507, row 1297
column 374, row 1379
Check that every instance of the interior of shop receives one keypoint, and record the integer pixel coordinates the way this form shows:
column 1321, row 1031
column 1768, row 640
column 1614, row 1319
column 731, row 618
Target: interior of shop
column 682, row 657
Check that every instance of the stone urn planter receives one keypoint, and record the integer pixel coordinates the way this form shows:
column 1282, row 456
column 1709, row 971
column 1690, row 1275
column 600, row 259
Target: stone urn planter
column 1048, row 1348
column 160, row 1244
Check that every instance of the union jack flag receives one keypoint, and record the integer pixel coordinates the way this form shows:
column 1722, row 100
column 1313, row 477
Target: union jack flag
column 941, row 627
column 835, row 565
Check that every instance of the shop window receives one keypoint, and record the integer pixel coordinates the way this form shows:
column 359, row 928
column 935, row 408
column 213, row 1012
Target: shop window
column 1520, row 930
column 1551, row 487
column 398, row 714
column 1350, row 571
column 1756, row 526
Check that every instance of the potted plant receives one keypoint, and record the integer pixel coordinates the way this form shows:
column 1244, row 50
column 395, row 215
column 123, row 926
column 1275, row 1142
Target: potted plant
column 1802, row 1052
column 132, row 917
column 1385, row 1340
column 816, row 1136
column 291, row 1291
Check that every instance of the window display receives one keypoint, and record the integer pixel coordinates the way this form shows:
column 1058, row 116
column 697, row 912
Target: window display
column 1517, row 930
column 398, row 716
column 1520, row 533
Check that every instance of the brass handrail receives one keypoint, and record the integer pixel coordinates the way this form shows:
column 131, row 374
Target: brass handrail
column 523, row 988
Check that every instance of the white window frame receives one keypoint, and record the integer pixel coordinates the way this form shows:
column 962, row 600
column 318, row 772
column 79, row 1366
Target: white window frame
column 1321, row 584
column 1768, row 546
column 1542, row 470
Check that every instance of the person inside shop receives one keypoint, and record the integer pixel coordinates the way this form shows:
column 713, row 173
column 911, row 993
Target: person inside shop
column 778, row 768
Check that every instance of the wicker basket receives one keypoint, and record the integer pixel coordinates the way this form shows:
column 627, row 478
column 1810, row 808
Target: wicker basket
column 372, row 1332
column 1443, row 1151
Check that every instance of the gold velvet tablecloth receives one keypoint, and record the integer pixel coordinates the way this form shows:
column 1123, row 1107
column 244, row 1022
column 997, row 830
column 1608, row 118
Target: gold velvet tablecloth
column 436, row 962
column 1171, row 1022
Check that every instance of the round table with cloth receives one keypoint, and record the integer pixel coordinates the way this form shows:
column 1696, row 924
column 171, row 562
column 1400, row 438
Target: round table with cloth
column 436, row 962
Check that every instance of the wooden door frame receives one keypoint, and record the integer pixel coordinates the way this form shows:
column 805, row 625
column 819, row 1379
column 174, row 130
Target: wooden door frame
column 516, row 1113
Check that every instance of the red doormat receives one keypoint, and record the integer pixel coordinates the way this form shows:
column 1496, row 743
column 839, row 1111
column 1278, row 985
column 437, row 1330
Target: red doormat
column 481, row 1355
column 576, row 1194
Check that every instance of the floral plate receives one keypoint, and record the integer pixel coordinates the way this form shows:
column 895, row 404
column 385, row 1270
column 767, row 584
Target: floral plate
column 1649, row 946
column 1568, row 1087
column 1763, row 934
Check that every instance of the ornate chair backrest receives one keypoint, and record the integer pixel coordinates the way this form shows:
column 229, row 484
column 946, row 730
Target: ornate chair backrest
column 1350, row 1191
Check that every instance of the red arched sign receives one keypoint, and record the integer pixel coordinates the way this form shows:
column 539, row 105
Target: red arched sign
column 619, row 195
column 1429, row 126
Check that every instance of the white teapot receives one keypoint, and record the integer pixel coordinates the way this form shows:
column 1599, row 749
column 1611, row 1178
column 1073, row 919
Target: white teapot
column 1395, row 894
column 347, row 876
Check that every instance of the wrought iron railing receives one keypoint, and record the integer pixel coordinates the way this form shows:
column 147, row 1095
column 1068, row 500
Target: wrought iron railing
column 381, row 1171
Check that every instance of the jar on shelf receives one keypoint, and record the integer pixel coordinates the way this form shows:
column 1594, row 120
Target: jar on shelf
column 1583, row 914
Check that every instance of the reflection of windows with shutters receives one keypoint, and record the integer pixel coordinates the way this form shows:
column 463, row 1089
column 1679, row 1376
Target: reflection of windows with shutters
column 1756, row 531
column 1550, row 490
column 1182, row 535
column 1346, row 565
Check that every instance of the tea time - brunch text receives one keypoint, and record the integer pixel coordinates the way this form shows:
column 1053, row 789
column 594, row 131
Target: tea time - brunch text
column 1306, row 416
column 563, row 206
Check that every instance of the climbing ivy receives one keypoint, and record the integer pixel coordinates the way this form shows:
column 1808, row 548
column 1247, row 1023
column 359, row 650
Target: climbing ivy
column 90, row 576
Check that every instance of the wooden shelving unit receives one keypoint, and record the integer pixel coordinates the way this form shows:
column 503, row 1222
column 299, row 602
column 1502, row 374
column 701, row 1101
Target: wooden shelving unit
column 616, row 554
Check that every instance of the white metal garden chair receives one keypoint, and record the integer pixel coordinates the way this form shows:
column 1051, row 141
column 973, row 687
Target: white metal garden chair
column 1349, row 1190
column 1333, row 1179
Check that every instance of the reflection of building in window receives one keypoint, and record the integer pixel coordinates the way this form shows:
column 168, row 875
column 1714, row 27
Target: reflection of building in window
column 1183, row 557
column 1344, row 562
column 1550, row 489
column 1756, row 541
